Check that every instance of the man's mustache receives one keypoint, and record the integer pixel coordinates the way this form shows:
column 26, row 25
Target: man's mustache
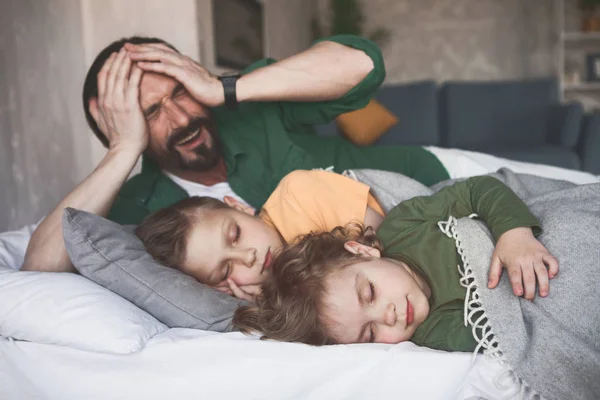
column 181, row 133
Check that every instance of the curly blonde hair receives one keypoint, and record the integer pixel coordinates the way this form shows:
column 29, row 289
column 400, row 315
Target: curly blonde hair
column 292, row 306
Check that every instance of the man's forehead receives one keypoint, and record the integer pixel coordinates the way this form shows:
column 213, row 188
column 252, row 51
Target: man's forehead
column 154, row 87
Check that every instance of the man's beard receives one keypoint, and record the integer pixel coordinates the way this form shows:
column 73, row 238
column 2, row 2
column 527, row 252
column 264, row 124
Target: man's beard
column 206, row 157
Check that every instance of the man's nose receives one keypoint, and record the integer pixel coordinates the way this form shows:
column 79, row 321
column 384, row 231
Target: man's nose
column 389, row 315
column 177, row 115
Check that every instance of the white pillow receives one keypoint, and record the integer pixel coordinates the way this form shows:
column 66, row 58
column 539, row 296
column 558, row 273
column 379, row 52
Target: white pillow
column 13, row 245
column 67, row 309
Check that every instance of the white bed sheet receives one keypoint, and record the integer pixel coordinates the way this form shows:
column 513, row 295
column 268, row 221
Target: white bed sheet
column 191, row 364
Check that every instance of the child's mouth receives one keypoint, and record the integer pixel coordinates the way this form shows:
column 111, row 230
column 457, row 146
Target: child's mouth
column 267, row 262
column 410, row 313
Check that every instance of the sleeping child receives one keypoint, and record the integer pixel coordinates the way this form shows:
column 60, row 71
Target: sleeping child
column 352, row 286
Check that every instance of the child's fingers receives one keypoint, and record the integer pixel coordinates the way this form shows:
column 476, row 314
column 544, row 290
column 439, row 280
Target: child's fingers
column 516, row 279
column 238, row 292
column 224, row 289
column 552, row 264
column 495, row 272
column 235, row 288
column 254, row 290
column 542, row 278
column 527, row 271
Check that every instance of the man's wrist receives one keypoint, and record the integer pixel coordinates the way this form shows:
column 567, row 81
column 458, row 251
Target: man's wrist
column 229, row 83
column 218, row 91
column 131, row 151
column 243, row 89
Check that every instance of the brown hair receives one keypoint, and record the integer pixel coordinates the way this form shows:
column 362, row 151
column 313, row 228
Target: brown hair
column 164, row 232
column 292, row 302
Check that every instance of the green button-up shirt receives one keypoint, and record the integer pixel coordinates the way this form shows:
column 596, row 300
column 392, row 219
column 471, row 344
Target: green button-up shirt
column 410, row 233
column 264, row 141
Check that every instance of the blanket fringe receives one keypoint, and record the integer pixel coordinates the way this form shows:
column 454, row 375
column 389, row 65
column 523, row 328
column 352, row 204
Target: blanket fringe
column 475, row 315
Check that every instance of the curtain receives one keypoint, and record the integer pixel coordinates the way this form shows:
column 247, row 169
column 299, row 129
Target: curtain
column 44, row 140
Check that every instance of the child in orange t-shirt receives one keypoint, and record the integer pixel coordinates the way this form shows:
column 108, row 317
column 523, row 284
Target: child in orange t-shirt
column 223, row 244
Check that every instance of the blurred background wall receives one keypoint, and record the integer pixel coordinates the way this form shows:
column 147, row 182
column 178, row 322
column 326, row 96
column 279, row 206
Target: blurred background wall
column 464, row 39
column 47, row 46
column 44, row 144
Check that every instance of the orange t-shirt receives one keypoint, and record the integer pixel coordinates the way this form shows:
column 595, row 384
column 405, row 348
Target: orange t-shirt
column 316, row 201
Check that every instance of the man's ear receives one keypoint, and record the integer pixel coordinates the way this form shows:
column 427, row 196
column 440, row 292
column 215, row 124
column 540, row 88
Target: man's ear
column 93, row 106
column 238, row 205
column 362, row 249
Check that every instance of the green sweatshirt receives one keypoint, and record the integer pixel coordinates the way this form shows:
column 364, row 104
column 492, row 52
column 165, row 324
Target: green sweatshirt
column 264, row 141
column 410, row 233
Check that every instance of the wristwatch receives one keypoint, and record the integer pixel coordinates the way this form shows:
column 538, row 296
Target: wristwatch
column 229, row 81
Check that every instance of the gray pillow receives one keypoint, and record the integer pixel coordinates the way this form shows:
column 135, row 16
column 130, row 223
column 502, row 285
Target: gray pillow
column 112, row 256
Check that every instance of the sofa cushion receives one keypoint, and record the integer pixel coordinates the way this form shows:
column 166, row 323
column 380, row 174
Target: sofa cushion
column 327, row 130
column 589, row 145
column 508, row 113
column 566, row 121
column 364, row 126
column 416, row 106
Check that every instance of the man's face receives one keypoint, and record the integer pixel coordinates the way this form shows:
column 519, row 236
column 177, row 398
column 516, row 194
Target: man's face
column 183, row 132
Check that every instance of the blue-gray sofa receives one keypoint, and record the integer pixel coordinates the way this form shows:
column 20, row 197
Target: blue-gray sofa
column 521, row 120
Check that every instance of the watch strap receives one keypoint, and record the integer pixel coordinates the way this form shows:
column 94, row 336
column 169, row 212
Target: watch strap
column 229, row 86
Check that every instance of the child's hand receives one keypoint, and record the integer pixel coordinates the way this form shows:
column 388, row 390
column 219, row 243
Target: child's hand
column 524, row 258
column 249, row 293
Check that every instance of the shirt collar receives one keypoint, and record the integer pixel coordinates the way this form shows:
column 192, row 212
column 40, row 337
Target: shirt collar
column 149, row 166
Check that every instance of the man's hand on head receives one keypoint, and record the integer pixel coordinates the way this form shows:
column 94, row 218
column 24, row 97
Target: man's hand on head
column 198, row 81
column 117, row 110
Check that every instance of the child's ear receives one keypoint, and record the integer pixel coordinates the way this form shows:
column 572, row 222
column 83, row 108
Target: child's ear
column 238, row 205
column 362, row 249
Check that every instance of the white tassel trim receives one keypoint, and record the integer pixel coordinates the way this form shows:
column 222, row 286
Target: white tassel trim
column 347, row 173
column 481, row 329
column 474, row 314
column 328, row 169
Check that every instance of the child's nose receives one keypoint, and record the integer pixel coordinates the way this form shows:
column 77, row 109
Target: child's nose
column 248, row 257
column 390, row 315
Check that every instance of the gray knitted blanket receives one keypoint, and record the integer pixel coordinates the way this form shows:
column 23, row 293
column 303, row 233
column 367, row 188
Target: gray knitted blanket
column 552, row 344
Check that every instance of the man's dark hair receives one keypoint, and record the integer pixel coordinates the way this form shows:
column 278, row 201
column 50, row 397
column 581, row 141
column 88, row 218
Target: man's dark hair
column 90, row 86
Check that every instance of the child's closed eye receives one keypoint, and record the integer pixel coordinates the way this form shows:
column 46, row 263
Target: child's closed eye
column 372, row 337
column 372, row 293
column 235, row 234
column 226, row 272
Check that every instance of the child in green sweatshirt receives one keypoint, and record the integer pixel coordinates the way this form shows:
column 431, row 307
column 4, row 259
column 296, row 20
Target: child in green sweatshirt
column 352, row 286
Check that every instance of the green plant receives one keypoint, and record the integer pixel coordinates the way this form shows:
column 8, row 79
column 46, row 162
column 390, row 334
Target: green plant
column 347, row 18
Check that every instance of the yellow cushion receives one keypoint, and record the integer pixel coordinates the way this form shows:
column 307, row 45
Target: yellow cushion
column 364, row 126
